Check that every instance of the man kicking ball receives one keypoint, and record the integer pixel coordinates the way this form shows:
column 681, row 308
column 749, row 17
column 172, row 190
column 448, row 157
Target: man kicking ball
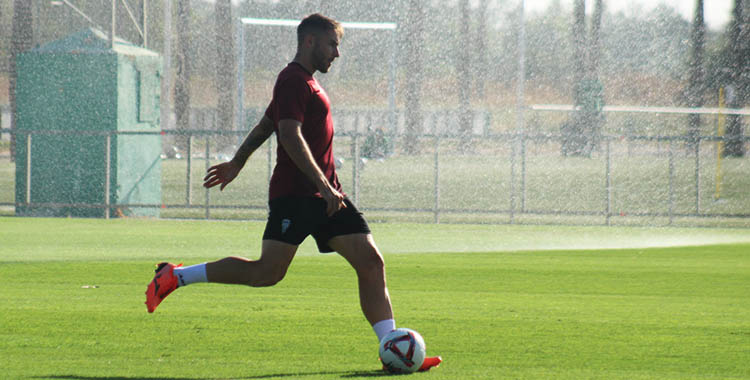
column 305, row 196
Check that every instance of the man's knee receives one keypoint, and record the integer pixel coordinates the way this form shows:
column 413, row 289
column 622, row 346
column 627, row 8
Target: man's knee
column 363, row 255
column 271, row 268
column 263, row 274
column 267, row 280
column 372, row 264
column 265, row 277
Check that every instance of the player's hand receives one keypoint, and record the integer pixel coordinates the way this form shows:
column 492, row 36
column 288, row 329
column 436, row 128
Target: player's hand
column 334, row 200
column 221, row 174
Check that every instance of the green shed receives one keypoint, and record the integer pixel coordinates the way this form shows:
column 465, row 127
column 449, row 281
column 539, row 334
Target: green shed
column 82, row 105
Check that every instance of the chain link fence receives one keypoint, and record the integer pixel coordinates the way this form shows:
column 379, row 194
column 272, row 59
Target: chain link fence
column 484, row 177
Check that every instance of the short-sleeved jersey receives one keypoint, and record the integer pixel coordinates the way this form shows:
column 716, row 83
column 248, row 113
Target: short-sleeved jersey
column 298, row 96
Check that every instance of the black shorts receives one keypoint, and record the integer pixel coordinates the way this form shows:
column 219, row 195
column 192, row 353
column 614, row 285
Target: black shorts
column 292, row 219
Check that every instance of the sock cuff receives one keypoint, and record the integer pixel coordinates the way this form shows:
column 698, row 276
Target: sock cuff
column 191, row 274
column 383, row 327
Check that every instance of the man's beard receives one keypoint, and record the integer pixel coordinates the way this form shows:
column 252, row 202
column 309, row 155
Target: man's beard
column 320, row 62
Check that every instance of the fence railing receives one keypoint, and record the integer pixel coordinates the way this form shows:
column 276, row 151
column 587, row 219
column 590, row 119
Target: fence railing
column 511, row 177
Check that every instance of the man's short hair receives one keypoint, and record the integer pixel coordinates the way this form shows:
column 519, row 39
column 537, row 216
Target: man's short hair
column 317, row 24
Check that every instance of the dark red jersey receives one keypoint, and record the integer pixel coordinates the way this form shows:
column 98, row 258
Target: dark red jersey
column 298, row 96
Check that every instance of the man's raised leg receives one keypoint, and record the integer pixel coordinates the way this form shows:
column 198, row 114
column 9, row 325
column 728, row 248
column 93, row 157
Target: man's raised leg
column 267, row 271
column 271, row 268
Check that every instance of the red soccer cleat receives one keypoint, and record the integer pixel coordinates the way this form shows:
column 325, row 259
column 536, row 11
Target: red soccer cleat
column 164, row 282
column 429, row 362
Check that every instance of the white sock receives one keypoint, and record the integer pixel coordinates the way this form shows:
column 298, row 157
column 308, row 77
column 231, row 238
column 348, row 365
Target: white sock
column 383, row 327
column 190, row 275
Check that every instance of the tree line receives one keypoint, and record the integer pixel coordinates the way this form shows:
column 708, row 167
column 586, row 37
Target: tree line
column 473, row 43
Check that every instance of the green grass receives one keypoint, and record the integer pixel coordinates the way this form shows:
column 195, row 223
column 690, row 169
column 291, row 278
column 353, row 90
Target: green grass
column 515, row 302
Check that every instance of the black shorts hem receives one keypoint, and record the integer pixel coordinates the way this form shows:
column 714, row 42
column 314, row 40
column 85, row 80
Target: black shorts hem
column 292, row 219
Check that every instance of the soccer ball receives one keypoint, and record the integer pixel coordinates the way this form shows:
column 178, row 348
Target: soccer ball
column 402, row 351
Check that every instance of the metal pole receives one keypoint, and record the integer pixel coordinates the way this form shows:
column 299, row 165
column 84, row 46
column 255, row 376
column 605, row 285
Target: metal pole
column 355, row 160
column 512, row 178
column 166, row 77
column 392, row 84
column 521, row 85
column 208, row 164
column 436, row 208
column 189, row 171
column 240, row 119
column 608, row 185
column 144, row 24
column 107, row 171
column 113, row 25
column 520, row 110
column 28, row 168
column 80, row 13
column 523, row 171
column 697, row 177
column 671, row 182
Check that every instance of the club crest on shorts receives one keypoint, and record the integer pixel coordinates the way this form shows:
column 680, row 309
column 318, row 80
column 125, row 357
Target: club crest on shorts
column 285, row 225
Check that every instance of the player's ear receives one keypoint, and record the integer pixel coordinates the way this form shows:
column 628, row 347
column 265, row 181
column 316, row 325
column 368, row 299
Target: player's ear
column 309, row 40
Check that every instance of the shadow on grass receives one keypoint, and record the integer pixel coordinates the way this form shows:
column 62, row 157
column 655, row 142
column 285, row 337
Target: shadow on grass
column 343, row 374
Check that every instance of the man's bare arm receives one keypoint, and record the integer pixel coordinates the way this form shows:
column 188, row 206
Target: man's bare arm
column 291, row 139
column 224, row 173
column 253, row 141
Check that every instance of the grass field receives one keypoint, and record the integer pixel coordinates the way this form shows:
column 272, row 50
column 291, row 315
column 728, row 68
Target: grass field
column 515, row 302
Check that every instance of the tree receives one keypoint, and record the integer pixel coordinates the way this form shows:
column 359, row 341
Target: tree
column 744, row 53
column 594, row 53
column 737, row 94
column 182, row 84
column 573, row 140
column 480, row 63
column 581, row 131
column 414, row 33
column 21, row 40
column 463, row 70
column 696, row 81
column 225, row 66
column 579, row 40
column 547, row 56
column 593, row 103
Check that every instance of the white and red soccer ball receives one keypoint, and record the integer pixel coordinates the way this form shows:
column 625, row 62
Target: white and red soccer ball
column 402, row 351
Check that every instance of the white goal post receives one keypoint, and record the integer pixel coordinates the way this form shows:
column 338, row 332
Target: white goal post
column 262, row 22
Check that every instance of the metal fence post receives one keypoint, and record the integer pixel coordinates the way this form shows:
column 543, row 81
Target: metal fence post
column 208, row 164
column 436, row 207
column 188, row 174
column 671, row 182
column 28, row 168
column 697, row 177
column 355, row 161
column 523, row 171
column 392, row 83
column 512, row 178
column 107, row 173
column 608, row 184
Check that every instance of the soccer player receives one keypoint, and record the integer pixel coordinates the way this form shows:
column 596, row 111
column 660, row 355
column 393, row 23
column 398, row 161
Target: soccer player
column 305, row 196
